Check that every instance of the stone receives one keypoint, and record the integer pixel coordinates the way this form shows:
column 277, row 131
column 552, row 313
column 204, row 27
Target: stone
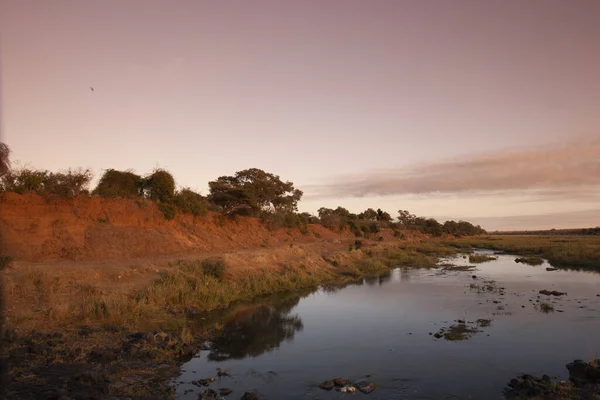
column 208, row 394
column 340, row 382
column 366, row 386
column 250, row 396
column 225, row 391
column 327, row 385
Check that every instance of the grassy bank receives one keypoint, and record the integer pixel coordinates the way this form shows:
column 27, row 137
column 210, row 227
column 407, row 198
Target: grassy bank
column 572, row 252
column 140, row 298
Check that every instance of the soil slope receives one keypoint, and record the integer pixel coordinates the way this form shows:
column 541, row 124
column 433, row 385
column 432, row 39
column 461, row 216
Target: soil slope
column 38, row 229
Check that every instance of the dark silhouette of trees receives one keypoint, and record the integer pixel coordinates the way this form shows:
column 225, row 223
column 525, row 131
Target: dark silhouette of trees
column 159, row 186
column 114, row 183
column 252, row 191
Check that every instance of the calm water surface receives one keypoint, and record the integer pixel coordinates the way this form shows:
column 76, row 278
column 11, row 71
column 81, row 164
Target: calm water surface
column 283, row 347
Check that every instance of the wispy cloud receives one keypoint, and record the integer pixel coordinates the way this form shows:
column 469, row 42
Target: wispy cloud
column 575, row 219
column 571, row 170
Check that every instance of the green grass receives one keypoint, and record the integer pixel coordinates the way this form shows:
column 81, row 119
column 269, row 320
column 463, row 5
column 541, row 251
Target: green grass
column 480, row 258
column 533, row 260
column 570, row 252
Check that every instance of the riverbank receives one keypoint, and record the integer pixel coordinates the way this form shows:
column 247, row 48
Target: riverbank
column 570, row 252
column 121, row 320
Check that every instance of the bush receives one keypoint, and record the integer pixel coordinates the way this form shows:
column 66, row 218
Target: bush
column 160, row 186
column 190, row 202
column 24, row 180
column 119, row 184
column 214, row 267
column 69, row 183
column 280, row 219
column 169, row 210
column 374, row 228
column 357, row 244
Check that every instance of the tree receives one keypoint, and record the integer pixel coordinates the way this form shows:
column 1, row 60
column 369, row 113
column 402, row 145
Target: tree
column 253, row 190
column 383, row 216
column 369, row 214
column 69, row 183
column 4, row 159
column 119, row 184
column 406, row 219
column 190, row 202
column 160, row 186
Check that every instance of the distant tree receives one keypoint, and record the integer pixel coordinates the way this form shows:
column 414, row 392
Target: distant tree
column 70, row 183
column 4, row 159
column 25, row 180
column 190, row 202
column 230, row 198
column 406, row 219
column 160, row 186
column 115, row 183
column 383, row 216
column 252, row 191
column 369, row 214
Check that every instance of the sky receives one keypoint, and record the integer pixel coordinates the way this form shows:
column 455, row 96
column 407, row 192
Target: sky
column 486, row 111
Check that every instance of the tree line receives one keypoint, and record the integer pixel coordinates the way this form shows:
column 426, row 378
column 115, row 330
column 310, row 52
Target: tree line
column 251, row 192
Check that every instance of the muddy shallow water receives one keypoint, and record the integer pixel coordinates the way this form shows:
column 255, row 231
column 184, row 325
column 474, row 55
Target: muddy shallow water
column 384, row 328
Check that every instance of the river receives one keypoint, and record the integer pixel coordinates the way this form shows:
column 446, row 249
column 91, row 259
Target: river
column 383, row 329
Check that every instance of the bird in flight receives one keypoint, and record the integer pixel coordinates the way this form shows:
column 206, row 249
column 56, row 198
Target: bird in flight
column 91, row 88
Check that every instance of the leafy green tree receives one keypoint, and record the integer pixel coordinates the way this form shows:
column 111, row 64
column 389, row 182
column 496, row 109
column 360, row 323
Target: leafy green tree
column 115, row 183
column 69, row 183
column 25, row 180
column 253, row 190
column 369, row 214
column 383, row 216
column 160, row 186
column 190, row 202
column 406, row 219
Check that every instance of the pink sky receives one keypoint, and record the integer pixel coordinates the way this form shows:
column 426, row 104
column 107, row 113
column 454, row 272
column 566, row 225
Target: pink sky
column 319, row 92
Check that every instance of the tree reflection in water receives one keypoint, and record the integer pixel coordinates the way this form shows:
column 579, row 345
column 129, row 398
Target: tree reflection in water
column 252, row 332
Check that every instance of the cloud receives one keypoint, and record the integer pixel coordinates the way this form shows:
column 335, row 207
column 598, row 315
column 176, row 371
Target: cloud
column 575, row 219
column 564, row 171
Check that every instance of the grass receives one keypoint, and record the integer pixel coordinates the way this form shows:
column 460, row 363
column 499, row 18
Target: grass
column 569, row 252
column 142, row 298
column 546, row 307
column 480, row 258
column 533, row 260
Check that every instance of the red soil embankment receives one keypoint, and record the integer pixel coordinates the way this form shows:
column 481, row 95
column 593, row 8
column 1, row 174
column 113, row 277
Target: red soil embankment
column 35, row 228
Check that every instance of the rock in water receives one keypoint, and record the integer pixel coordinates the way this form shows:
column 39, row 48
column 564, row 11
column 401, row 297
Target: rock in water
column 208, row 394
column 327, row 385
column 250, row 396
column 341, row 382
column 582, row 373
column 366, row 386
column 225, row 391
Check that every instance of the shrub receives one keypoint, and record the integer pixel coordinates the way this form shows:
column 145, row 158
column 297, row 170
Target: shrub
column 357, row 244
column 374, row 228
column 24, row 180
column 119, row 184
column 169, row 210
column 160, row 186
column 69, row 183
column 190, row 202
column 214, row 267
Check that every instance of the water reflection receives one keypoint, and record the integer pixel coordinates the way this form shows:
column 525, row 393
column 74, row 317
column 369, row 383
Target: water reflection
column 256, row 329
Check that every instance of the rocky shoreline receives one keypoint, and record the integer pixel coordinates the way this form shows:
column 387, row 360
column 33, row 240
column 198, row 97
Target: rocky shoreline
column 95, row 363
column 583, row 383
